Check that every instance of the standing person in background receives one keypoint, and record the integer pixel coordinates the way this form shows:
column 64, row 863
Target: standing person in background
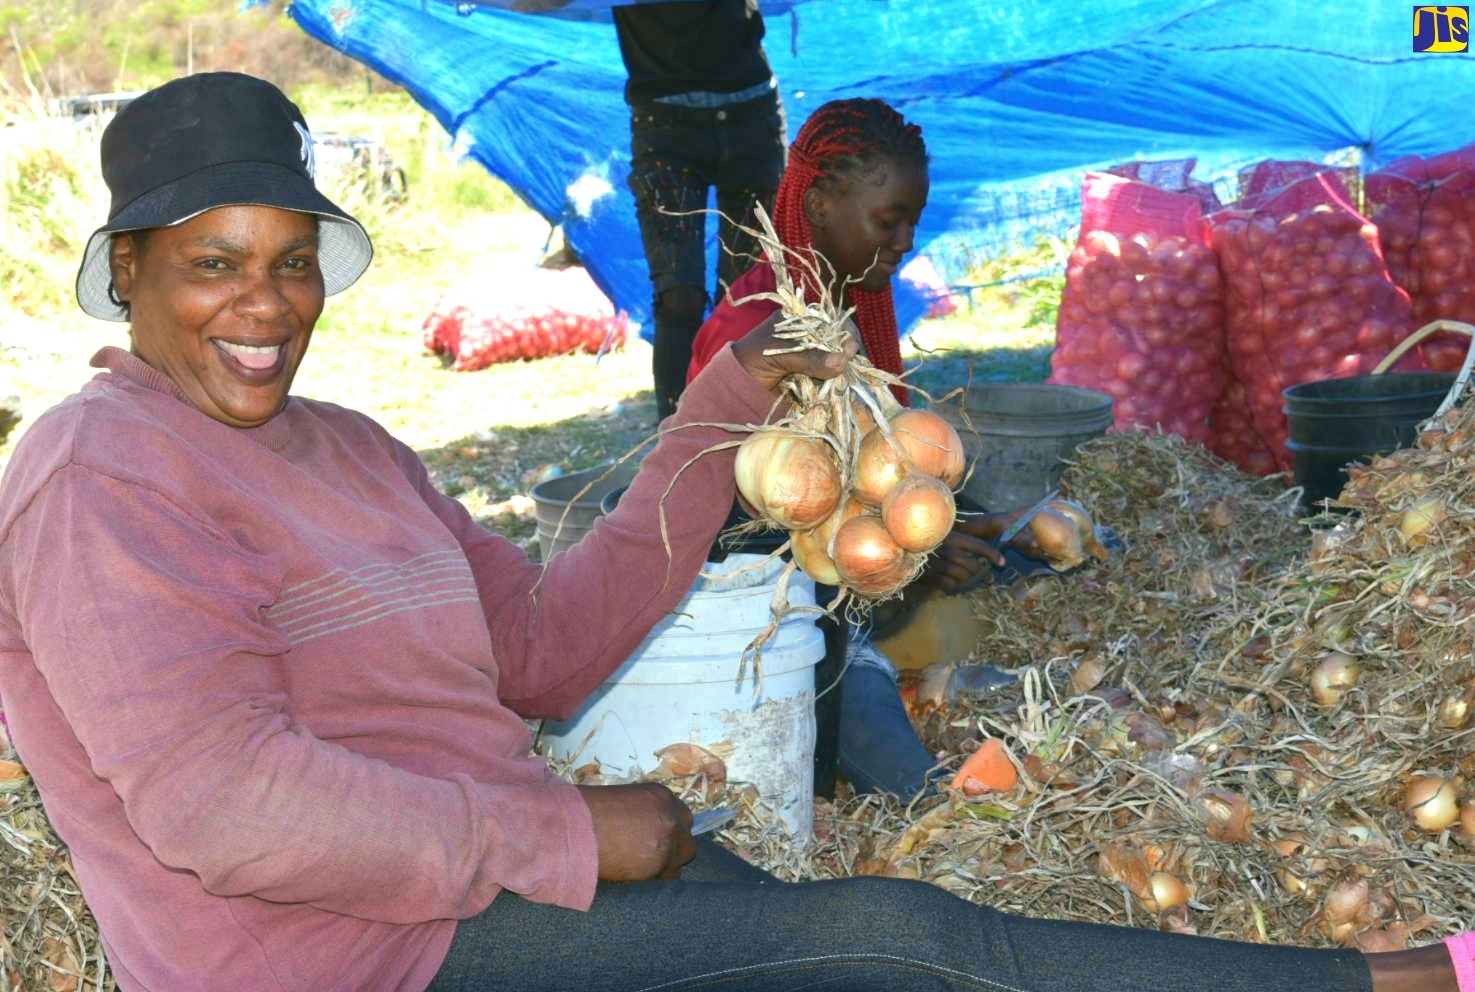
column 705, row 112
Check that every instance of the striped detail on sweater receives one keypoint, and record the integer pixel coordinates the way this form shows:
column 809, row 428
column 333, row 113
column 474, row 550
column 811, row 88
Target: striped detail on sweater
column 341, row 600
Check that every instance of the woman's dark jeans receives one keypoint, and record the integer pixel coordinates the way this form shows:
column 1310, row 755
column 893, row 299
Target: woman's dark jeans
column 727, row 926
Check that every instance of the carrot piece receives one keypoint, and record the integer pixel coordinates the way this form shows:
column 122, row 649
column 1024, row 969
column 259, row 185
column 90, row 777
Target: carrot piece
column 989, row 769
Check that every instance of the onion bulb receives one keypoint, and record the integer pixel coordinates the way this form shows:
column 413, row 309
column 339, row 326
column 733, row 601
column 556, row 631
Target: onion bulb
column 1453, row 712
column 1293, row 884
column 1346, row 901
column 1431, row 801
column 919, row 512
column 1333, row 676
column 1466, row 833
column 1087, row 676
column 1125, row 866
column 868, row 558
column 879, row 466
column 932, row 444
column 790, row 479
column 1227, row 815
column 1077, row 512
column 1052, row 537
column 811, row 548
column 1166, row 890
column 1429, row 511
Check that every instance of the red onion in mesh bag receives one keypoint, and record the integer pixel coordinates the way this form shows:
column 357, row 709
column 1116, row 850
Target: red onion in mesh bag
column 1140, row 317
column 531, row 313
column 1306, row 296
column 1425, row 213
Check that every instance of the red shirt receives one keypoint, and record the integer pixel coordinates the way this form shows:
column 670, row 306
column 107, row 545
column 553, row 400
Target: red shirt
column 729, row 321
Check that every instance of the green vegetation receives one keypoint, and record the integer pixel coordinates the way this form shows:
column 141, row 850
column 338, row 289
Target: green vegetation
column 1004, row 330
column 50, row 50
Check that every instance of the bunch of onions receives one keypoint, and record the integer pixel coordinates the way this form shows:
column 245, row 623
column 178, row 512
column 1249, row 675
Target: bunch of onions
column 903, row 477
column 872, row 535
column 863, row 486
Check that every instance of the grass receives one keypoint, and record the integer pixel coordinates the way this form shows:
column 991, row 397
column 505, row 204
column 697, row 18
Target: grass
column 487, row 436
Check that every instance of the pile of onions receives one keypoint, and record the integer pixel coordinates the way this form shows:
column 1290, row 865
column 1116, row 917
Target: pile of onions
column 871, row 535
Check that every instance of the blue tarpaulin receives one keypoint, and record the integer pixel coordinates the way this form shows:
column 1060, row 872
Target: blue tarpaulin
column 1016, row 100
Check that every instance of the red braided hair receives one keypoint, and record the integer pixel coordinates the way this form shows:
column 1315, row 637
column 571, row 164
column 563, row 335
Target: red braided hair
column 841, row 139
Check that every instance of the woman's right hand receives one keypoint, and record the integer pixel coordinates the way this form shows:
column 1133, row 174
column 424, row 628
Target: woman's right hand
column 642, row 829
column 771, row 370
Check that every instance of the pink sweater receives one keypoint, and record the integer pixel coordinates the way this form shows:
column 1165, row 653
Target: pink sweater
column 271, row 682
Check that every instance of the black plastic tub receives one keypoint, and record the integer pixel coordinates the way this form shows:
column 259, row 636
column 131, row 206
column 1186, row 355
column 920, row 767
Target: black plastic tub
column 1333, row 422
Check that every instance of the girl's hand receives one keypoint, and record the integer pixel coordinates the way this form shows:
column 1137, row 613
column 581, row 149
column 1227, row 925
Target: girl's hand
column 772, row 369
column 963, row 554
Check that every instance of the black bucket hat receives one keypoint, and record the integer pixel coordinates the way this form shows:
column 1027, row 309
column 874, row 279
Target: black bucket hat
column 212, row 140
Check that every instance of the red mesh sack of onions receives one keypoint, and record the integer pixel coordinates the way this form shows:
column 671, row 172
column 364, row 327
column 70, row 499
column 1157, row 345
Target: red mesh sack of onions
column 1140, row 317
column 1307, row 296
column 1425, row 213
column 1270, row 176
column 1235, row 438
column 441, row 331
column 534, row 313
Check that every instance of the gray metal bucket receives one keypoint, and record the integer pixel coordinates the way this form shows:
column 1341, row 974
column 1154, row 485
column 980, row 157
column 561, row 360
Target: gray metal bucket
column 1018, row 436
column 565, row 513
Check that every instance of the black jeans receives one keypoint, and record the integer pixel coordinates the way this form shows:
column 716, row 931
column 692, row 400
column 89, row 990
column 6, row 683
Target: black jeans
column 678, row 154
column 727, row 926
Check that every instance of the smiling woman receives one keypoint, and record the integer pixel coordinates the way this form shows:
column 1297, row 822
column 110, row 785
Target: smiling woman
column 224, row 304
column 218, row 249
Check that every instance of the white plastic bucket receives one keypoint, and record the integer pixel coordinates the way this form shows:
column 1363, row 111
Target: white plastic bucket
column 681, row 685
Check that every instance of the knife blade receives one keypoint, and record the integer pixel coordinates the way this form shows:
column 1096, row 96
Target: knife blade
column 1002, row 541
column 1012, row 531
column 709, row 820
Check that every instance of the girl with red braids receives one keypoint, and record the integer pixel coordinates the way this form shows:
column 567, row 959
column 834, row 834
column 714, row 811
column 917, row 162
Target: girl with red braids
column 853, row 194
